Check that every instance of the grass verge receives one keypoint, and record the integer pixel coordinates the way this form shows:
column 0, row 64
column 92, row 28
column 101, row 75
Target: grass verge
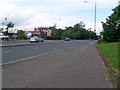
column 110, row 53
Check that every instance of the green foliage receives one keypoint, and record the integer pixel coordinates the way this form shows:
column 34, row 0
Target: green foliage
column 76, row 32
column 111, row 28
column 21, row 34
column 10, row 25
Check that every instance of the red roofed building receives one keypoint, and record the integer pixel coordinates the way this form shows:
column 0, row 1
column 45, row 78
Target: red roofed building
column 40, row 31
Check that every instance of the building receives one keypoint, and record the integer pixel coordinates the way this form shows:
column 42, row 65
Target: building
column 40, row 31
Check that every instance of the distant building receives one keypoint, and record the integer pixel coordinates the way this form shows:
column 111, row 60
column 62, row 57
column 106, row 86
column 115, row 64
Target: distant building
column 40, row 31
column 49, row 32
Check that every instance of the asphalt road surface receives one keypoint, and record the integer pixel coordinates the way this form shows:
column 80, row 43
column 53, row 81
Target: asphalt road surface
column 74, row 64
column 12, row 54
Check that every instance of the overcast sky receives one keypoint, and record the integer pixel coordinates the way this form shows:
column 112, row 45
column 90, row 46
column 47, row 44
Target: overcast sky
column 45, row 13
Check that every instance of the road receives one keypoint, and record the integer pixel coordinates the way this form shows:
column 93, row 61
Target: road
column 11, row 54
column 74, row 64
column 21, row 42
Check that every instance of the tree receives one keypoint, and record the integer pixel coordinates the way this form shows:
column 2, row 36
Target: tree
column 21, row 34
column 78, row 31
column 69, row 31
column 79, row 26
column 111, row 28
column 10, row 25
column 56, row 33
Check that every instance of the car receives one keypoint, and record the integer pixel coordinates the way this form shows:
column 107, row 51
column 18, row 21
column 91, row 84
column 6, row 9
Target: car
column 36, row 39
column 33, row 39
column 67, row 39
column 40, row 39
column 2, row 36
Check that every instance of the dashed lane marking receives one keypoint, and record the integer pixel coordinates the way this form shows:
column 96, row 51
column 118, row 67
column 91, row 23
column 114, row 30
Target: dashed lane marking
column 24, row 59
column 91, row 42
column 7, row 51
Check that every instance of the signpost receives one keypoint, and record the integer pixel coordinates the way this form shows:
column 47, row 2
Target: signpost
column 12, row 30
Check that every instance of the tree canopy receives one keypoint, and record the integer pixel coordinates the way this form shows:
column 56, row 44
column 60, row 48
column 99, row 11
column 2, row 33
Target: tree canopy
column 111, row 28
column 78, row 31
column 10, row 25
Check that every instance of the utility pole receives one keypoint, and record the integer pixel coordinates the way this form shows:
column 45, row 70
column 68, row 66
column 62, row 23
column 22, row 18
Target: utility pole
column 95, row 22
column 95, row 10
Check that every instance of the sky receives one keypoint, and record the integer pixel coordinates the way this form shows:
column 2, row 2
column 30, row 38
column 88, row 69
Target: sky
column 26, row 14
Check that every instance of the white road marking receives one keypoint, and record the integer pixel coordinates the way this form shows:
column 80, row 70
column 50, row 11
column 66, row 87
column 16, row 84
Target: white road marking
column 7, row 51
column 24, row 59
column 30, row 57
column 55, row 48
column 91, row 42
column 36, row 47
column 81, row 41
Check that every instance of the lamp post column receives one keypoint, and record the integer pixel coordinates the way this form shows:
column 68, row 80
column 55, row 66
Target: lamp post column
column 95, row 22
column 95, row 10
column 5, row 23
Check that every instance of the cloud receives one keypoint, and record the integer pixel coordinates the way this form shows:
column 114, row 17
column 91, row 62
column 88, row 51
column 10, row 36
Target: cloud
column 34, row 16
column 36, row 13
column 14, row 13
column 68, row 21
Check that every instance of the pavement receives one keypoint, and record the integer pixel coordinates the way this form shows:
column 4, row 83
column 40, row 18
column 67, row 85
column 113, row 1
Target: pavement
column 74, row 67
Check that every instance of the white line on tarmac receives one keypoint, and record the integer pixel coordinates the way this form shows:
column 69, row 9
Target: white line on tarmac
column 91, row 42
column 36, row 47
column 24, row 59
column 30, row 57
column 7, row 51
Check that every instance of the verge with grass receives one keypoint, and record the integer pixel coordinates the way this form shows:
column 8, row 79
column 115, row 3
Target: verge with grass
column 110, row 54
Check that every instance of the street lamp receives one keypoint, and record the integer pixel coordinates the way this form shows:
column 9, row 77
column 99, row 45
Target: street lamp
column 57, row 23
column 4, row 24
column 95, row 21
column 3, row 27
column 6, row 21
column 95, row 10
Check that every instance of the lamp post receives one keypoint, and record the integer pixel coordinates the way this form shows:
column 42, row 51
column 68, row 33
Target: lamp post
column 3, row 27
column 5, row 24
column 95, row 10
column 95, row 21
column 6, row 21
column 58, row 23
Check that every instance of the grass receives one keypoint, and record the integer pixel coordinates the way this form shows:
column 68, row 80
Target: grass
column 110, row 50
